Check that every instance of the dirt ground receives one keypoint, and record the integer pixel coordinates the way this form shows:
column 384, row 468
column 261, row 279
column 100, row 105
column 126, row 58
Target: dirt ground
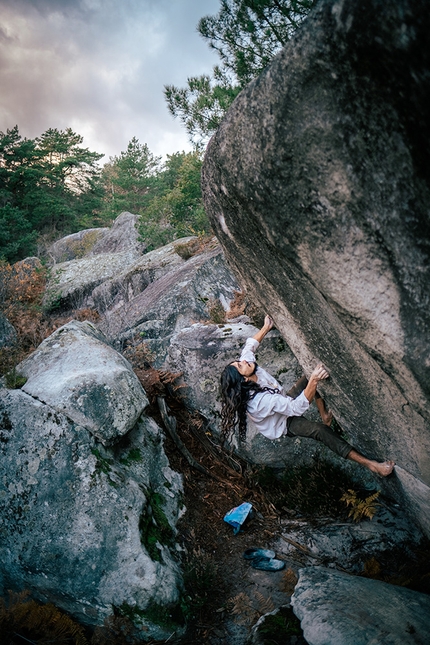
column 233, row 594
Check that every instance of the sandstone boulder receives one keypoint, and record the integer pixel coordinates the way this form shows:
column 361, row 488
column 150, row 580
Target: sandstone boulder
column 184, row 295
column 317, row 186
column 115, row 292
column 71, row 283
column 76, row 373
column 337, row 608
column 84, row 260
column 108, row 280
column 78, row 519
column 74, row 246
column 122, row 236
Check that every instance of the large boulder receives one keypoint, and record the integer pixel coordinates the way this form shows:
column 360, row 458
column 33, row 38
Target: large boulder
column 108, row 280
column 317, row 186
column 71, row 283
column 87, row 527
column 85, row 259
column 186, row 294
column 337, row 608
column 115, row 292
column 122, row 236
column 74, row 246
column 77, row 373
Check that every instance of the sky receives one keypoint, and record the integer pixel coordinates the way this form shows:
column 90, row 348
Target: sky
column 100, row 67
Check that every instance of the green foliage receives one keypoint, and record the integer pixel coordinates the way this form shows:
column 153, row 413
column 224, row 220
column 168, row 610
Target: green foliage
column 277, row 627
column 154, row 526
column 133, row 456
column 48, row 183
column 176, row 208
column 17, row 239
column 14, row 380
column 247, row 34
column 167, row 197
column 103, row 465
column 129, row 180
column 360, row 508
column 52, row 184
column 202, row 105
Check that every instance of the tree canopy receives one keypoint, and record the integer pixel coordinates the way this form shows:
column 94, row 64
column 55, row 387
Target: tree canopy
column 247, row 34
column 46, row 183
column 176, row 207
column 51, row 186
column 128, row 179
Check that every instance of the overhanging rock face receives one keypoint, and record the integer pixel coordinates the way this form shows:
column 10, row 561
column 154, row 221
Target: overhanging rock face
column 317, row 185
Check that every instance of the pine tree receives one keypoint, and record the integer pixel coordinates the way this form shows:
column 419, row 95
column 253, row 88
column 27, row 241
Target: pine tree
column 247, row 34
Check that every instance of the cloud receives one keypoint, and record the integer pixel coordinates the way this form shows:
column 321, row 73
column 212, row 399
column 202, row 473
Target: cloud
column 99, row 66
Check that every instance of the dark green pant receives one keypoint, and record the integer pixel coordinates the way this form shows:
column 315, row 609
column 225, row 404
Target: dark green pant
column 301, row 427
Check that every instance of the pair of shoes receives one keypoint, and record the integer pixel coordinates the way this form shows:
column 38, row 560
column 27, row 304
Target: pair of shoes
column 263, row 559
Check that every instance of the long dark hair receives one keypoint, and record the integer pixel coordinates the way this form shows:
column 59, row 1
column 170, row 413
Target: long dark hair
column 235, row 394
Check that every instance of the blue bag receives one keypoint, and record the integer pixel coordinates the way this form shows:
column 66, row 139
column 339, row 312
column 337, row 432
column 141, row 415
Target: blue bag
column 237, row 516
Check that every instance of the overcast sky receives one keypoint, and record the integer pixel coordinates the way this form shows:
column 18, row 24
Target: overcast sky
column 99, row 67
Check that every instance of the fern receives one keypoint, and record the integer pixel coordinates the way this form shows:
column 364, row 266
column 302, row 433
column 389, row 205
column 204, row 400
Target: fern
column 372, row 568
column 241, row 607
column 265, row 605
column 288, row 582
column 44, row 623
column 247, row 610
column 360, row 508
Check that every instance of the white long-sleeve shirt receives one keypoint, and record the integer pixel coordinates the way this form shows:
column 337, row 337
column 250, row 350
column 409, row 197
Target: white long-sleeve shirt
column 268, row 411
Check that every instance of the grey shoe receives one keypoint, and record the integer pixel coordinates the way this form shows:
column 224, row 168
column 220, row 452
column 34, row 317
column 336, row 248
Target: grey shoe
column 267, row 564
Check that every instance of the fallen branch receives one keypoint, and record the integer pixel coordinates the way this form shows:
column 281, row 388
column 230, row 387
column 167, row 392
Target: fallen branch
column 170, row 424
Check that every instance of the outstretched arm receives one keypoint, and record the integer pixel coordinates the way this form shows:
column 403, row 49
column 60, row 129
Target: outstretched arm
column 319, row 374
column 268, row 324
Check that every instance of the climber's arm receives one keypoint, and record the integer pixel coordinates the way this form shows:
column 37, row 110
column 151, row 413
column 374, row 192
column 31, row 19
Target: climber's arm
column 268, row 324
column 319, row 374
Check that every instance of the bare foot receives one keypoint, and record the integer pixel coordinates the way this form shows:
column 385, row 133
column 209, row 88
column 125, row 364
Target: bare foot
column 383, row 468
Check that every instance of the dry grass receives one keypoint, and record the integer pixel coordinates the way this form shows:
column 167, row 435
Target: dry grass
column 196, row 246
column 21, row 292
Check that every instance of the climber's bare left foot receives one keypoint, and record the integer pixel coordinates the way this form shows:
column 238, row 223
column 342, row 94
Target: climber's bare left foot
column 383, row 468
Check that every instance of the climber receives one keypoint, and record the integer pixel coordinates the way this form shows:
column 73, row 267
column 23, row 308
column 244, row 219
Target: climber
column 247, row 389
